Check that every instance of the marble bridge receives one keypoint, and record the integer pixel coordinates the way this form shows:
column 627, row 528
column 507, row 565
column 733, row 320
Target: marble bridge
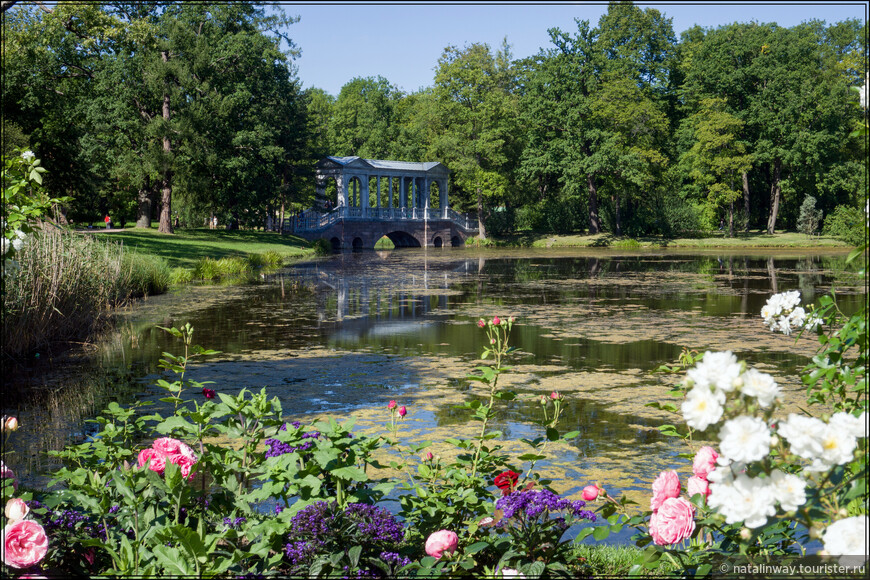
column 402, row 200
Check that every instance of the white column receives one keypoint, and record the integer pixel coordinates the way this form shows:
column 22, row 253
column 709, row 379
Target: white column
column 364, row 196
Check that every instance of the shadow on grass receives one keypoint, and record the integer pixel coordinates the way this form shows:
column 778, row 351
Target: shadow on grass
column 186, row 246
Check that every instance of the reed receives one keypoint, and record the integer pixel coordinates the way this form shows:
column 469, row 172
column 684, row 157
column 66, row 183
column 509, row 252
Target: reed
column 65, row 286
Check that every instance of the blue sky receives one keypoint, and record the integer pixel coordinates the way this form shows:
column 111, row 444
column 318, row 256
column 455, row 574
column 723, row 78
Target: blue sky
column 403, row 41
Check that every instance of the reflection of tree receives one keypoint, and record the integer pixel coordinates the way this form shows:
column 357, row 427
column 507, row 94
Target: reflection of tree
column 771, row 272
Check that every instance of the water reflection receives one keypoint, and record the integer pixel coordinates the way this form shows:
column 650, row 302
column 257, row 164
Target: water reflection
column 599, row 322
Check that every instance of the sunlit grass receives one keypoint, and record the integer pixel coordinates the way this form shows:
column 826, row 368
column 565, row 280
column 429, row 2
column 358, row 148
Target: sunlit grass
column 185, row 248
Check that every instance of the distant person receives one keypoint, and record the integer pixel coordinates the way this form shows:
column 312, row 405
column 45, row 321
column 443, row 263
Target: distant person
column 214, row 222
column 108, row 221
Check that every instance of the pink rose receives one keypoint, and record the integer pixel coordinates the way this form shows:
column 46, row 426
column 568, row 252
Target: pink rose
column 166, row 445
column 156, row 458
column 440, row 542
column 428, row 456
column 184, row 463
column 666, row 486
column 673, row 522
column 391, row 405
column 697, row 485
column 24, row 544
column 705, row 461
column 591, row 492
column 16, row 509
column 496, row 321
column 402, row 411
column 481, row 323
column 10, row 424
column 555, row 395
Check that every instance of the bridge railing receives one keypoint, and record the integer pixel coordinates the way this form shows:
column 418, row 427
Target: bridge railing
column 312, row 220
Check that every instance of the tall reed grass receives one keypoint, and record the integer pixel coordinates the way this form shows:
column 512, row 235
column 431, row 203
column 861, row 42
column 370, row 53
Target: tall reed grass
column 66, row 285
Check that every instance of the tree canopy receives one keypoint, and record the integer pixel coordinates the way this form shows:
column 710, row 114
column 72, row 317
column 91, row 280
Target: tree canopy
column 157, row 110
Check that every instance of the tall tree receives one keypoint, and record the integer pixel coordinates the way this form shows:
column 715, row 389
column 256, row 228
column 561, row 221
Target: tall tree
column 476, row 109
column 717, row 158
column 364, row 118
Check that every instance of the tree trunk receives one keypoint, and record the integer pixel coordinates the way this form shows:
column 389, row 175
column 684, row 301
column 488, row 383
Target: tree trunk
column 166, row 183
column 143, row 213
column 594, row 220
column 731, row 220
column 480, row 225
column 746, row 198
column 775, row 191
column 615, row 199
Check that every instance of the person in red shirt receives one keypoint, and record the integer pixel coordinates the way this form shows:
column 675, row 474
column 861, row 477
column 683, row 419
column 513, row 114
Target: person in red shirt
column 108, row 221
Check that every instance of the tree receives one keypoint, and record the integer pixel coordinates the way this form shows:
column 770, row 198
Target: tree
column 717, row 158
column 364, row 118
column 476, row 111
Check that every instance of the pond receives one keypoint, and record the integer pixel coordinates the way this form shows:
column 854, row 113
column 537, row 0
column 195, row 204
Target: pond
column 341, row 336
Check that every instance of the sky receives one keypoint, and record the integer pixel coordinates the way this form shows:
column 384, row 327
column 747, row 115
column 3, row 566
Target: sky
column 402, row 42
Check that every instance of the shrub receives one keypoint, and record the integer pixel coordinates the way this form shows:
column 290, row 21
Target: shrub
column 809, row 217
column 145, row 275
column 322, row 247
column 845, row 223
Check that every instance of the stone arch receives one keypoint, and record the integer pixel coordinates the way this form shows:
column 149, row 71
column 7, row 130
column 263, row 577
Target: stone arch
column 437, row 242
column 336, row 244
column 456, row 241
column 402, row 239
column 357, row 244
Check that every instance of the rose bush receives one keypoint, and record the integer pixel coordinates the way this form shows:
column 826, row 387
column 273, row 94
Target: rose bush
column 287, row 498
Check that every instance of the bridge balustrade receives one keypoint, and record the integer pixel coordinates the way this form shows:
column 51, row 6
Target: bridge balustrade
column 312, row 220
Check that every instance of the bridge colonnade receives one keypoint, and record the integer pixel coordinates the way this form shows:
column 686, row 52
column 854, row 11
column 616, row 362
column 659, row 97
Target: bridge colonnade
column 408, row 185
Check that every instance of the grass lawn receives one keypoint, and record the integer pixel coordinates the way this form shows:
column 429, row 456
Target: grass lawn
column 183, row 248
column 780, row 239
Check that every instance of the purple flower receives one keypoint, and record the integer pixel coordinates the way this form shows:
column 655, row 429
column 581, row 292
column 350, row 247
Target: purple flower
column 324, row 528
column 530, row 504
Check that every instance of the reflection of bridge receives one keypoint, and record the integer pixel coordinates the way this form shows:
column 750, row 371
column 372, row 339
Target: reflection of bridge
column 402, row 200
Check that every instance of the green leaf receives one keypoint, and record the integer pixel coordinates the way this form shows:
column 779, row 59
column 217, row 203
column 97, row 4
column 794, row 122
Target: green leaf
column 354, row 554
column 552, row 434
column 600, row 532
column 476, row 547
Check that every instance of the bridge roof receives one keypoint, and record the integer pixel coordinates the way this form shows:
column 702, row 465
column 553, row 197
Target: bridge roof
column 384, row 164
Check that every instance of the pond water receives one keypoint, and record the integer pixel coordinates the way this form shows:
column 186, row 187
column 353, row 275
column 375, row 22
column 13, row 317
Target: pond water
column 341, row 336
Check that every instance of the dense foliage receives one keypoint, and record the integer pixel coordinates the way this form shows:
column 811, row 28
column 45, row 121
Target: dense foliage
column 193, row 110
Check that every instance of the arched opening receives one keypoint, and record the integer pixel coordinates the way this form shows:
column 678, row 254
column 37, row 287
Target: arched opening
column 330, row 200
column 437, row 242
column 403, row 240
column 357, row 244
column 336, row 244
column 434, row 195
column 354, row 190
column 385, row 243
column 456, row 241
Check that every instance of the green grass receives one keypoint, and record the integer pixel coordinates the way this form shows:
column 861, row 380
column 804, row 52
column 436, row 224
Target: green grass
column 185, row 248
column 713, row 240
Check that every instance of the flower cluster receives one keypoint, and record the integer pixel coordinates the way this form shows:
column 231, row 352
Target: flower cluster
column 717, row 375
column 783, row 313
column 322, row 527
column 171, row 450
column 234, row 523
column 278, row 448
column 533, row 503
column 743, row 482
column 673, row 517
